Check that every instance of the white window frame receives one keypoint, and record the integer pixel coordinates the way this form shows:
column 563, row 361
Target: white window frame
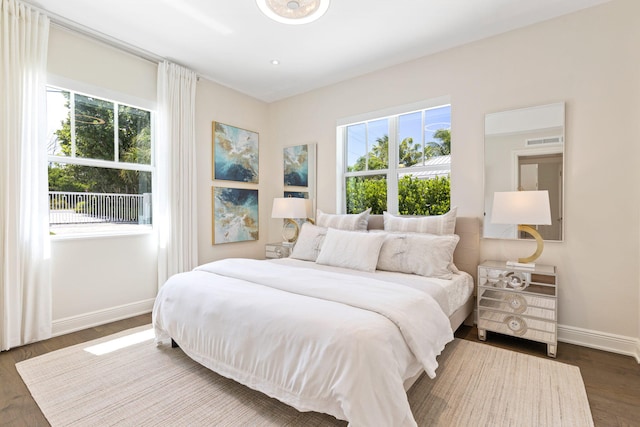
column 392, row 171
column 117, row 99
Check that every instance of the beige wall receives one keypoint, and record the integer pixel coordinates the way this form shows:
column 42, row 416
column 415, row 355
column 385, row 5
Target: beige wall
column 95, row 280
column 218, row 103
column 589, row 60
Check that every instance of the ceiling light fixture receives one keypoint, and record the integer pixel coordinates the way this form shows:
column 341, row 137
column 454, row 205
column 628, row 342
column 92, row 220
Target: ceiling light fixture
column 293, row 12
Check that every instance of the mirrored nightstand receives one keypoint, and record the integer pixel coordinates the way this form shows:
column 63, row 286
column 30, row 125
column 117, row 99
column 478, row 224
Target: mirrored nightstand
column 518, row 301
column 277, row 250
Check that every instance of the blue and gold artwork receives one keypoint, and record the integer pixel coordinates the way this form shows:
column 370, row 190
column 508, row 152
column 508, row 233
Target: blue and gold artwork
column 235, row 154
column 296, row 166
column 235, row 215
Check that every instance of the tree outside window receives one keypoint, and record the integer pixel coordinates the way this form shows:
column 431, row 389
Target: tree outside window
column 415, row 161
column 100, row 162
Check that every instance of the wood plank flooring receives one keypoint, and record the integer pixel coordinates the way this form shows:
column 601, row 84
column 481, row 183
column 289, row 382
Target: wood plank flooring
column 612, row 380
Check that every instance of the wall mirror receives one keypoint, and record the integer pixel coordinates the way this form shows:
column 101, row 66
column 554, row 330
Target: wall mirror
column 524, row 150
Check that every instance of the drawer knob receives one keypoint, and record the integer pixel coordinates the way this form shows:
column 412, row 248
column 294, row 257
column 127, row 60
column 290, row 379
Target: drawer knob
column 517, row 303
column 515, row 280
column 516, row 324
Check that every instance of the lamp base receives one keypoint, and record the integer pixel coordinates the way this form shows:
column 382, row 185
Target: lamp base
column 290, row 231
column 517, row 264
column 540, row 244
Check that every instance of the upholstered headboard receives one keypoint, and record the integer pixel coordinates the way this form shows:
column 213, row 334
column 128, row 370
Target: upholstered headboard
column 467, row 253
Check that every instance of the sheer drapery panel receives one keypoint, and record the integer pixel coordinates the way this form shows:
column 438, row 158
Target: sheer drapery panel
column 25, row 293
column 176, row 171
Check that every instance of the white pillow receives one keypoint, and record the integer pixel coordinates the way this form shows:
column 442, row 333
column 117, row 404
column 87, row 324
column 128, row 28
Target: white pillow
column 309, row 242
column 351, row 222
column 433, row 224
column 427, row 255
column 351, row 249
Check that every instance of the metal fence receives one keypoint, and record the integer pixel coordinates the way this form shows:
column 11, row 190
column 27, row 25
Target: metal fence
column 80, row 208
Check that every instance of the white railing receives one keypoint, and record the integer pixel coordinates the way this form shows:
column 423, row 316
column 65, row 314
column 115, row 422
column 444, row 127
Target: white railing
column 79, row 208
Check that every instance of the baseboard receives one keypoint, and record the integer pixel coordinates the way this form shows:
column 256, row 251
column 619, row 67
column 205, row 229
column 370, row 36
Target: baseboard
column 100, row 317
column 600, row 341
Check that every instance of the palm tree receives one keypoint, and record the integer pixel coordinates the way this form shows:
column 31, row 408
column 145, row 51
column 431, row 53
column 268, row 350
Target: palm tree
column 442, row 148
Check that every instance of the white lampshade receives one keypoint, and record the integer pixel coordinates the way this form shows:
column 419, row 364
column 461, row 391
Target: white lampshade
column 521, row 207
column 289, row 207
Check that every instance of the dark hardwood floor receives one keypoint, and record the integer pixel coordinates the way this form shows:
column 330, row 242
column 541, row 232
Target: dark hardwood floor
column 612, row 380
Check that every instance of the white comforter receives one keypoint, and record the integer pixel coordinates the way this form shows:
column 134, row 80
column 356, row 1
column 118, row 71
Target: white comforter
column 316, row 340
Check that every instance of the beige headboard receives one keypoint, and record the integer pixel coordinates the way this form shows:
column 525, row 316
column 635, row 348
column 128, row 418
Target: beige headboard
column 467, row 253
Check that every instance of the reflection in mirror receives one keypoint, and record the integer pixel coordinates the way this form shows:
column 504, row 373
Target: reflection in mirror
column 524, row 150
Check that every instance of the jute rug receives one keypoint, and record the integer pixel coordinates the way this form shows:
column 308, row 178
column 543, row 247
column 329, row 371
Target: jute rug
column 140, row 384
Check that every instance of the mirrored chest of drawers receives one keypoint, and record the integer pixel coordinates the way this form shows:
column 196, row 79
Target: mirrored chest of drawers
column 521, row 302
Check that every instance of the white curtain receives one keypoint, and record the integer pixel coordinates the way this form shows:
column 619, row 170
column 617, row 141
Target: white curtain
column 25, row 294
column 176, row 217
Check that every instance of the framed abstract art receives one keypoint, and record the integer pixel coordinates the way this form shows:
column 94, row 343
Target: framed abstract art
column 296, row 165
column 235, row 214
column 235, row 153
column 299, row 167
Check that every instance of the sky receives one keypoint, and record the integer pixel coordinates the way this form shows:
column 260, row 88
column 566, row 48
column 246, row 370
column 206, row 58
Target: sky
column 409, row 125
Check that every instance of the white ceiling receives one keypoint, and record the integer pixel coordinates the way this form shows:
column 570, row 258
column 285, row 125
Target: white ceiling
column 232, row 43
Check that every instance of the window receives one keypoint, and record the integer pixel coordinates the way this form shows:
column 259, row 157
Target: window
column 398, row 163
column 100, row 164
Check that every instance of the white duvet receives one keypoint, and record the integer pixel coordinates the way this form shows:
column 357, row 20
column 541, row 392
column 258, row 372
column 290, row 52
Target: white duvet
column 316, row 340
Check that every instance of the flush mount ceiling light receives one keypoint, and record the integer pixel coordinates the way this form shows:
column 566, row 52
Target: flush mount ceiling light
column 293, row 12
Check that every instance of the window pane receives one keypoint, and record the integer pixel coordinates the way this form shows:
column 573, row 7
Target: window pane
column 356, row 148
column 418, row 195
column 378, row 141
column 437, row 131
column 86, row 199
column 94, row 128
column 58, row 122
column 410, row 138
column 363, row 192
column 134, row 135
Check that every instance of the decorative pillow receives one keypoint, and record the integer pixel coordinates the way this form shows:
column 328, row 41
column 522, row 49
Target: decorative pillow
column 427, row 255
column 433, row 224
column 350, row 222
column 351, row 249
column 309, row 242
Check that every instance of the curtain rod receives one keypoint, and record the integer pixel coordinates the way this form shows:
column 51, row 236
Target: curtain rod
column 94, row 35
column 103, row 38
column 100, row 37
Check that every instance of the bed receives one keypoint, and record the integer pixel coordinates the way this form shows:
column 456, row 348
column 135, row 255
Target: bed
column 316, row 335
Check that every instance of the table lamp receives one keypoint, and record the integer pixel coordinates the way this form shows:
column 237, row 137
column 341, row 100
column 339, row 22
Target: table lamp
column 289, row 208
column 524, row 208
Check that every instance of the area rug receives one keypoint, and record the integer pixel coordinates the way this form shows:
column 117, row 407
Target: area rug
column 125, row 379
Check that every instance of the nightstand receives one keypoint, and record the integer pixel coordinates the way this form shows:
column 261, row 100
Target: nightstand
column 521, row 302
column 276, row 250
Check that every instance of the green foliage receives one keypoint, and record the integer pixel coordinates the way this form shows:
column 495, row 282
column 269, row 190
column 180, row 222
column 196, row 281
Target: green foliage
column 409, row 153
column 61, row 179
column 424, row 196
column 94, row 137
column 415, row 196
column 81, row 207
column 366, row 192
column 442, row 148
